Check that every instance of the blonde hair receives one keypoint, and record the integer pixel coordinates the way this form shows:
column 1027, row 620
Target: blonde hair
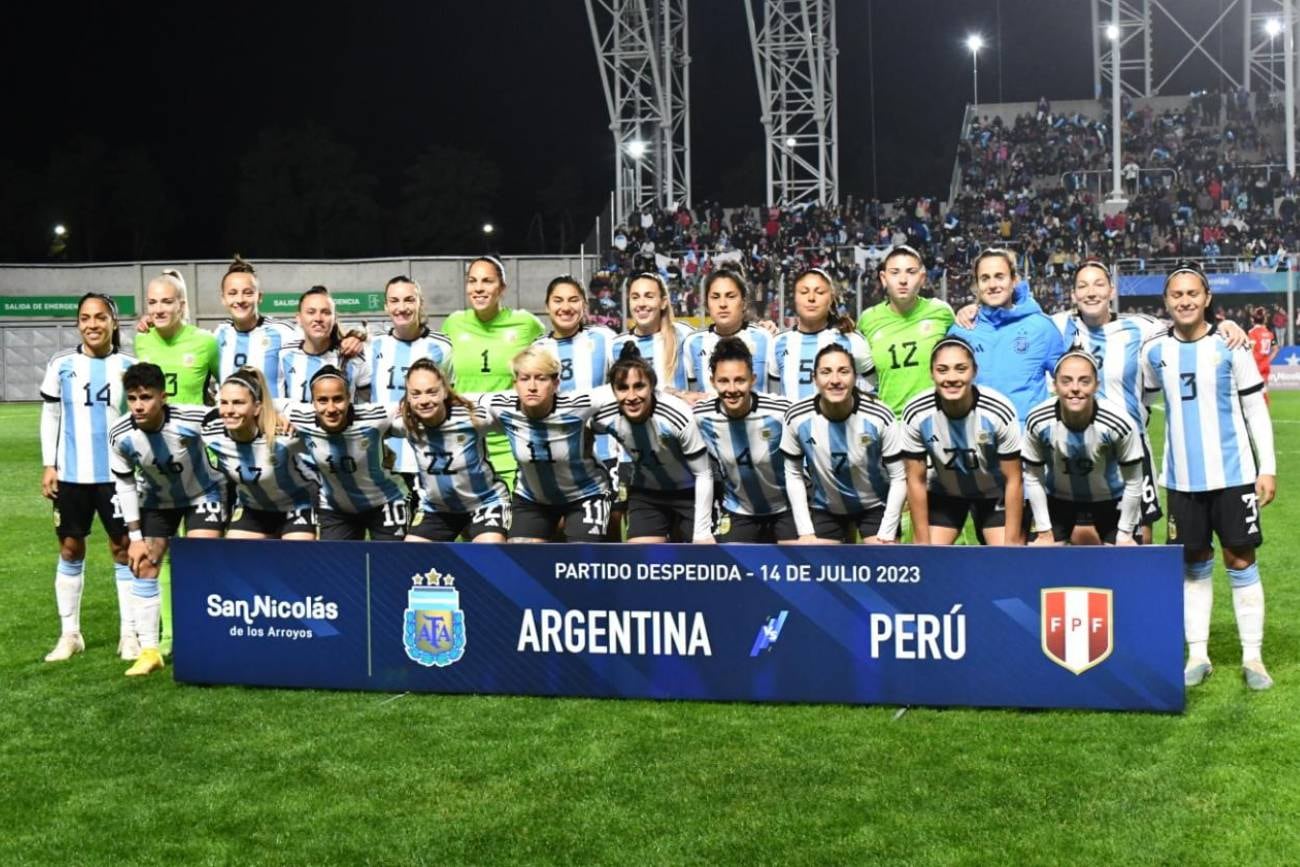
column 254, row 382
column 171, row 277
column 667, row 324
column 535, row 359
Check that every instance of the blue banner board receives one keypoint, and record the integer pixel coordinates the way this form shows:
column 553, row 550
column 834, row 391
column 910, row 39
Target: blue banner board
column 1250, row 283
column 860, row 624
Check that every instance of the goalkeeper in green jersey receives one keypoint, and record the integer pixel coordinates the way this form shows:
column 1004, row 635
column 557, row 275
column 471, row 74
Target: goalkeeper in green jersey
column 485, row 337
column 903, row 329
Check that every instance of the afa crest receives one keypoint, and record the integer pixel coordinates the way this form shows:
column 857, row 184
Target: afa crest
column 434, row 625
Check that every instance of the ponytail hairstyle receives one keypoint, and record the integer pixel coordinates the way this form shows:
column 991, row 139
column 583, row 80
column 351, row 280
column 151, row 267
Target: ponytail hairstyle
column 731, row 349
column 415, row 428
column 667, row 325
column 111, row 306
column 254, row 382
column 241, row 266
column 727, row 271
column 630, row 359
column 171, row 277
column 834, row 319
column 419, row 295
column 336, row 336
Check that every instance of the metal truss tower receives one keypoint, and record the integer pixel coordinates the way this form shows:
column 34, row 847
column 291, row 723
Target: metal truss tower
column 1134, row 41
column 1264, row 38
column 643, row 50
column 794, row 61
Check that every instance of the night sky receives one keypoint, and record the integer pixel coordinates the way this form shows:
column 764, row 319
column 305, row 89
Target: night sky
column 192, row 86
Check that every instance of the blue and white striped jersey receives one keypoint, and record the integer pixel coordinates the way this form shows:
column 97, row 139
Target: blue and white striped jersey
column 746, row 452
column 700, row 345
column 452, row 461
column 1082, row 465
column 170, row 465
column 1117, row 346
column 652, row 350
column 585, row 359
column 554, row 453
column 259, row 347
column 351, row 462
column 85, row 393
column 1207, row 444
column 297, row 366
column 265, row 477
column 792, row 353
column 665, row 451
column 844, row 459
column 390, row 356
column 963, row 453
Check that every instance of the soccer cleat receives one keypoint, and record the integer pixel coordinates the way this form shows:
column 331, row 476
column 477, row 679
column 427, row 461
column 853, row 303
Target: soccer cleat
column 1256, row 675
column 1196, row 672
column 128, row 647
column 150, row 661
column 70, row 644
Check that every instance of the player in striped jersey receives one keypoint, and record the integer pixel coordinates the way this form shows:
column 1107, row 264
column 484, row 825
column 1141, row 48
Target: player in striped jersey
column 163, row 478
column 1214, row 412
column 358, row 495
column 391, row 355
column 658, row 337
column 461, row 493
column 274, row 499
column 559, row 478
column 250, row 339
column 83, row 397
column 742, row 429
column 970, row 439
column 792, row 353
column 1083, row 458
column 726, row 295
column 321, row 346
column 670, row 489
column 847, row 443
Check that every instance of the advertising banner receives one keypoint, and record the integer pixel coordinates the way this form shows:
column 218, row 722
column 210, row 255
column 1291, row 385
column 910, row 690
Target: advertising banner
column 1253, row 283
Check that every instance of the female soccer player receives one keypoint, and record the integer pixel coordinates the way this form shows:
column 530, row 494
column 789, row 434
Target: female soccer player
column 1015, row 344
column 847, row 443
column 971, row 439
column 83, row 397
column 250, row 339
column 670, row 488
column 1083, row 458
column 726, row 295
column 742, row 430
column 548, row 433
column 485, row 337
column 274, row 499
column 187, row 354
column 1214, row 413
column 657, row 335
column 793, row 353
column 162, row 444
column 321, row 346
column 445, row 433
column 903, row 329
column 358, row 495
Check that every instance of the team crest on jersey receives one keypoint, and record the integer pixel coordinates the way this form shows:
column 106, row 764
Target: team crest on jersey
column 925, row 327
column 765, row 434
column 434, row 626
column 865, row 438
column 185, row 441
column 266, row 341
column 1021, row 343
column 1078, row 626
column 983, row 438
column 188, row 359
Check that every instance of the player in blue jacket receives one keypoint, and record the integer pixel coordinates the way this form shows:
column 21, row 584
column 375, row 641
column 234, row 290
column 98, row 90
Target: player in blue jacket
column 1016, row 345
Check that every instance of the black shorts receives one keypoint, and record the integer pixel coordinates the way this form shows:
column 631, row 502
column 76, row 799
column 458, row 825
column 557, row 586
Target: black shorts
column 620, row 474
column 384, row 524
column 75, row 507
column 948, row 511
column 163, row 523
column 670, row 514
column 828, row 525
column 273, row 524
column 733, row 527
column 1150, row 511
column 1067, row 514
column 448, row 526
column 584, row 521
column 1232, row 514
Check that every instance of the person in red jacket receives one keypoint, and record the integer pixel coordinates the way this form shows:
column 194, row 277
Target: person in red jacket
column 1262, row 344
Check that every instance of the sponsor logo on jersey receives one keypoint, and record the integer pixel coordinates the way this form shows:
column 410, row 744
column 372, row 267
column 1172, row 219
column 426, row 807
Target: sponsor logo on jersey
column 434, row 626
column 1078, row 626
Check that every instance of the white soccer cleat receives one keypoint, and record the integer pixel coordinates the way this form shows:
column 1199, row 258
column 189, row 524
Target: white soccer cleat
column 1196, row 672
column 1256, row 675
column 70, row 644
column 128, row 647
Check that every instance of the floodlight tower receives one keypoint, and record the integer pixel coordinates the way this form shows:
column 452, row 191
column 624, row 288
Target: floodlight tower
column 795, row 51
column 1132, row 18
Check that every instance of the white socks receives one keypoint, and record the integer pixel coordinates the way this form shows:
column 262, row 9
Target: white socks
column 69, row 580
column 1198, row 601
column 147, row 606
column 123, row 578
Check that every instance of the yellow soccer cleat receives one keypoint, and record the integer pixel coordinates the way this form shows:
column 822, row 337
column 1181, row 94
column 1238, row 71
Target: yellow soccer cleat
column 149, row 661
column 70, row 644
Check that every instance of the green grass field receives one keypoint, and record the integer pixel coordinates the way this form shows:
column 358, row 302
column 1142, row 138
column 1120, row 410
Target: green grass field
column 99, row 769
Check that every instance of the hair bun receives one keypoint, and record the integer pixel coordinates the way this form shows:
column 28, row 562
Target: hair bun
column 629, row 352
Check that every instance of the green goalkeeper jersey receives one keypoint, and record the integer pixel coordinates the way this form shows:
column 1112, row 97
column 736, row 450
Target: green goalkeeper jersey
column 481, row 353
column 901, row 346
column 188, row 361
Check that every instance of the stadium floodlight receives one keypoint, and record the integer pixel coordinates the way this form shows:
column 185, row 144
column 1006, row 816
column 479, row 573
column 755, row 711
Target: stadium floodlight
column 636, row 149
column 974, row 43
column 790, row 142
column 488, row 228
column 60, row 230
column 1272, row 27
column 1112, row 32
